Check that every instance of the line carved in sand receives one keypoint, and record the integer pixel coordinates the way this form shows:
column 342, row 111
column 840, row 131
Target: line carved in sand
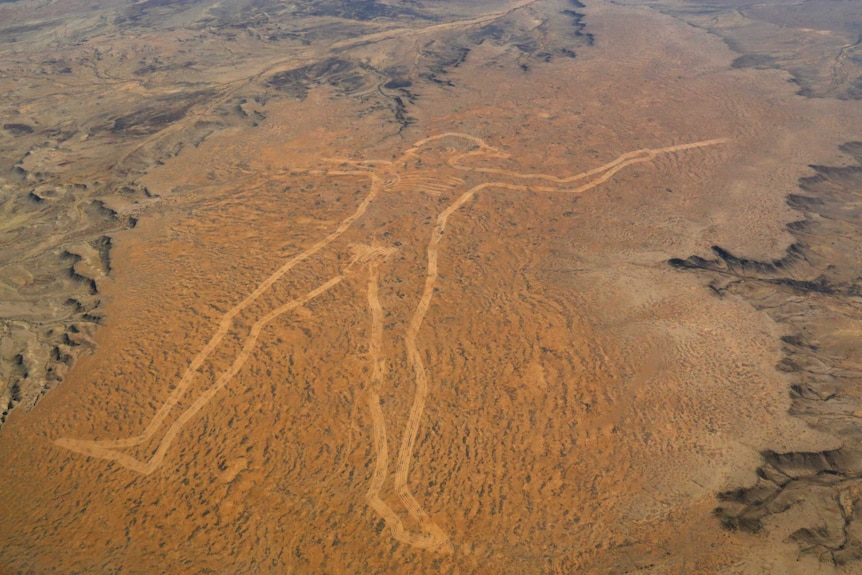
column 431, row 536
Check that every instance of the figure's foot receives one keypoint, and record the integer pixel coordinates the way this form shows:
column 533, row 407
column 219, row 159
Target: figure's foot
column 97, row 449
column 431, row 539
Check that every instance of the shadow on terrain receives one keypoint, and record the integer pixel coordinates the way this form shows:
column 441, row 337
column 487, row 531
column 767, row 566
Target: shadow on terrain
column 815, row 291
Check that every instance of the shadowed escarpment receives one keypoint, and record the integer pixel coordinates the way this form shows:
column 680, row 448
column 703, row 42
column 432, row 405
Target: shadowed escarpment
column 814, row 291
column 825, row 64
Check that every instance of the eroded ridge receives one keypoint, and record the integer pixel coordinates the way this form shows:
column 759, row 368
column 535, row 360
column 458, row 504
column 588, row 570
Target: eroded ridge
column 813, row 292
column 384, row 175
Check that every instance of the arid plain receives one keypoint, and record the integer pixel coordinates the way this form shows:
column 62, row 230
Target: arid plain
column 512, row 287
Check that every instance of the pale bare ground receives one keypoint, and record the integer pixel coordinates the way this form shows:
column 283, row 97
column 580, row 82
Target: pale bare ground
column 433, row 536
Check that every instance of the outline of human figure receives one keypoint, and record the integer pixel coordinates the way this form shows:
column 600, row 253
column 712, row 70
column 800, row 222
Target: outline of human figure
column 432, row 537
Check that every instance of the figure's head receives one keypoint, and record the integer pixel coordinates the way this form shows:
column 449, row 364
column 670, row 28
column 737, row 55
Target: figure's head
column 446, row 148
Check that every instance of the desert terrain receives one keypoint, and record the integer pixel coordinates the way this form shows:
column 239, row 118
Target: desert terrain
column 430, row 287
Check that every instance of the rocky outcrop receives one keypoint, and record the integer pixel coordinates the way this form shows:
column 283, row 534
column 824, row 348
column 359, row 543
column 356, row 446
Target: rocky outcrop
column 815, row 292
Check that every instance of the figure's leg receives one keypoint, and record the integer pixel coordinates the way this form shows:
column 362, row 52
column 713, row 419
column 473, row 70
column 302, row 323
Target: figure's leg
column 436, row 536
column 433, row 538
column 105, row 449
